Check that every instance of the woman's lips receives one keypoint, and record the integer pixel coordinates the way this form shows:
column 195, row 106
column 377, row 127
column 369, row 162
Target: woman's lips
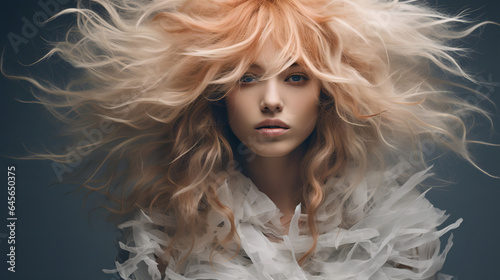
column 273, row 132
column 271, row 123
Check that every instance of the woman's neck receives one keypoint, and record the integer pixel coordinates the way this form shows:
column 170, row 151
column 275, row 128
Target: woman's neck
column 278, row 178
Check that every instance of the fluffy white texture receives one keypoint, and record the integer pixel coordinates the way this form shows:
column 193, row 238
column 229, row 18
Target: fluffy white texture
column 395, row 225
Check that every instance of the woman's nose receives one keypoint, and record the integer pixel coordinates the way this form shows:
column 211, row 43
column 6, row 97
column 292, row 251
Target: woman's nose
column 272, row 97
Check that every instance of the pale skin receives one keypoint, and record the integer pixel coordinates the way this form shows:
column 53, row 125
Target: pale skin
column 292, row 97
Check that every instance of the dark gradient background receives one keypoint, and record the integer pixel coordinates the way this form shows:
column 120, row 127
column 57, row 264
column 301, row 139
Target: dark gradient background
column 56, row 238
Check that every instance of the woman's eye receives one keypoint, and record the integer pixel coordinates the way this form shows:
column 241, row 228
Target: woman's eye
column 248, row 79
column 296, row 78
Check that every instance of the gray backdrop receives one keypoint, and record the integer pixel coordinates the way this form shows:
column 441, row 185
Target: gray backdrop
column 56, row 239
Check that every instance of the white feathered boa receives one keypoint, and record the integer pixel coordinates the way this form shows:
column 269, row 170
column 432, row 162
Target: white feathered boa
column 398, row 228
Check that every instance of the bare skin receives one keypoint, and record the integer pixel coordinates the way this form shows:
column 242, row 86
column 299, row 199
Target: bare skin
column 291, row 97
column 278, row 178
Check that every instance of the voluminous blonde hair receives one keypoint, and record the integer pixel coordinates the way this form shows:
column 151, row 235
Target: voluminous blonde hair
column 156, row 73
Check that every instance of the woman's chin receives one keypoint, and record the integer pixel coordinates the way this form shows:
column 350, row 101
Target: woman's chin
column 273, row 150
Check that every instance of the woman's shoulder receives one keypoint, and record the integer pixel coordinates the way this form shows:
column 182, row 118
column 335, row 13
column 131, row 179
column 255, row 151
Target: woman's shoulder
column 392, row 193
column 392, row 225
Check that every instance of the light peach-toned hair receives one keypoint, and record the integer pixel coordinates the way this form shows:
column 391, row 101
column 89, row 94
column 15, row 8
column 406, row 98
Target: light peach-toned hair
column 156, row 74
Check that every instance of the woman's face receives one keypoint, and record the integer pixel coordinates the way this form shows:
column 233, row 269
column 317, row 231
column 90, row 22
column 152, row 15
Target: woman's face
column 273, row 117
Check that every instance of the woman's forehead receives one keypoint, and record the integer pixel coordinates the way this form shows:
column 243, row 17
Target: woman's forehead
column 263, row 68
column 271, row 59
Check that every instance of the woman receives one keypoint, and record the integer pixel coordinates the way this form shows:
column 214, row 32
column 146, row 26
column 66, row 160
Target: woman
column 266, row 139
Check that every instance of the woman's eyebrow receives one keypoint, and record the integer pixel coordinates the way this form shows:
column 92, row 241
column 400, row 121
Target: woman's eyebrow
column 295, row 65
column 255, row 67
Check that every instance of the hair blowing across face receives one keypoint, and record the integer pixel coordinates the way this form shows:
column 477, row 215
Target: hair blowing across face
column 155, row 73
